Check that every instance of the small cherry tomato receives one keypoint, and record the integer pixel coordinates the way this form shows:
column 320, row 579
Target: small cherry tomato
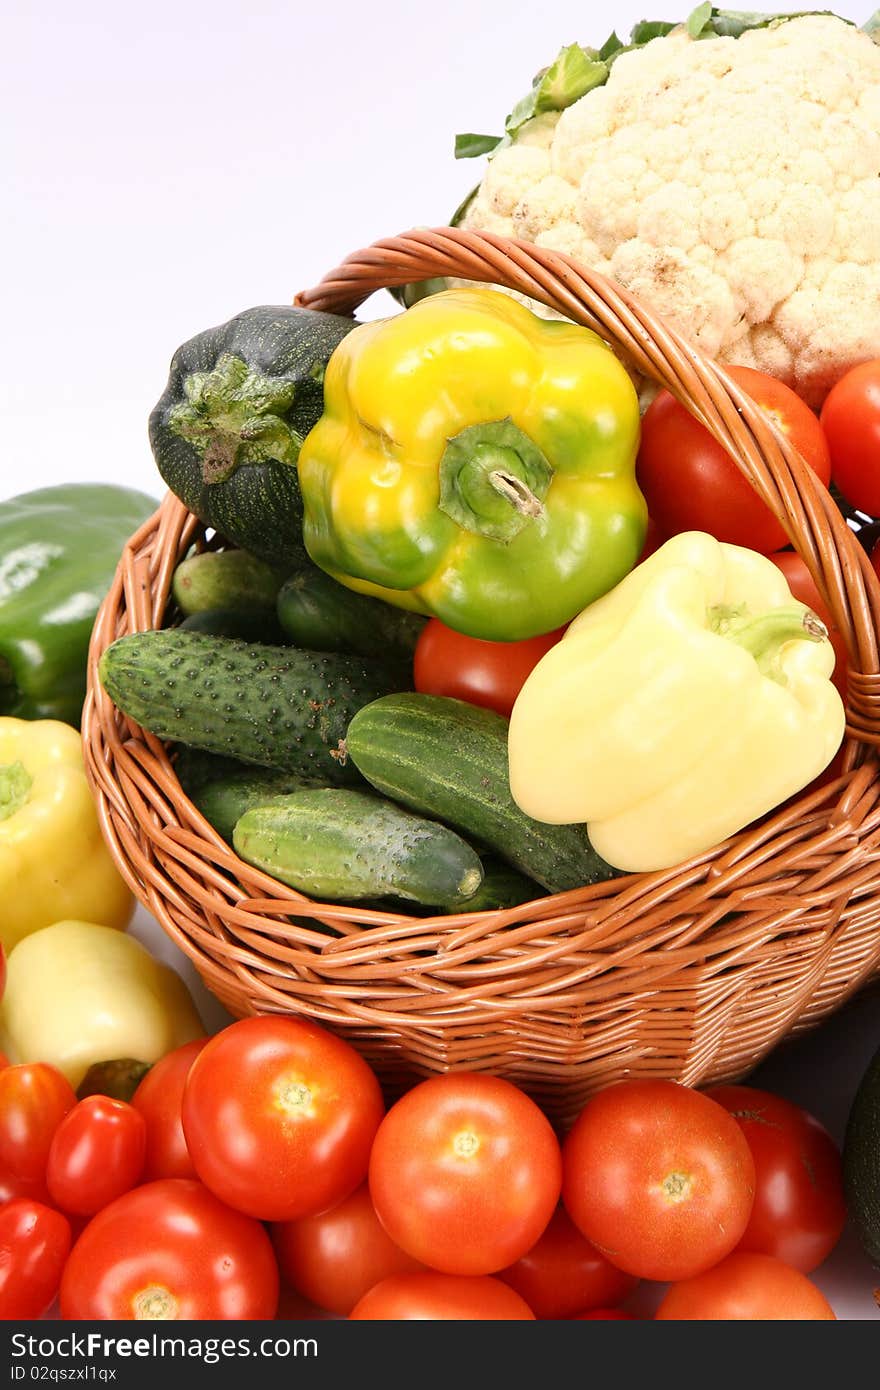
column 563, row 1273
column 746, row 1288
column 799, row 1212
column 97, row 1153
column 34, row 1244
column 279, row 1117
column 170, row 1250
column 34, row 1098
column 851, row 420
column 159, row 1098
column 334, row 1258
column 659, row 1177
column 429, row 1296
column 691, row 483
column 467, row 668
column 465, row 1173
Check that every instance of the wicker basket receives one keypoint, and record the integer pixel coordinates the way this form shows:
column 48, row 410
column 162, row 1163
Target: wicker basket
column 694, row 973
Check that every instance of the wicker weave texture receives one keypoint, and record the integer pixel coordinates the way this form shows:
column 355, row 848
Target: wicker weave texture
column 694, row 973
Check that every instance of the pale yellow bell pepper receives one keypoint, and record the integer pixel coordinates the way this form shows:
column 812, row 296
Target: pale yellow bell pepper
column 53, row 860
column 78, row 994
column 677, row 709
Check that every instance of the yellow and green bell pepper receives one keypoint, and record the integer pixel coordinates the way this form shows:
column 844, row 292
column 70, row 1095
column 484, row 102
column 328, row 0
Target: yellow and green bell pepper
column 53, row 860
column 475, row 462
column 78, row 994
column 678, row 708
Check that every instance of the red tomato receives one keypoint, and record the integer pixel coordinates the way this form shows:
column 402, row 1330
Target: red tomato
column 605, row 1315
column 691, row 484
column 34, row 1244
column 803, row 586
column 159, row 1098
column 851, row 421
column 4, row 1060
column 747, row 1288
column 429, row 1296
column 334, row 1258
column 799, row 1212
column 659, row 1177
column 279, row 1116
column 34, row 1098
column 170, row 1249
column 97, row 1153
column 467, row 668
column 564, row 1273
column 465, row 1173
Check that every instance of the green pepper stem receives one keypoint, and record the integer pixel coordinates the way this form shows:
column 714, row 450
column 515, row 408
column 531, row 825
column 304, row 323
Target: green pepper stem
column 516, row 492
column 15, row 787
column 764, row 634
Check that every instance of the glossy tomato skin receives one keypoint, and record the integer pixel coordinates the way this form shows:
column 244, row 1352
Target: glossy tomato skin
column 746, row 1287
column 159, row 1098
column 465, row 1173
column 467, row 668
column 334, row 1258
column 691, row 484
column 799, row 1212
column 97, row 1153
column 851, row 420
column 34, row 1244
column 279, row 1117
column 170, row 1249
column 659, row 1177
column 563, row 1274
column 34, row 1098
column 430, row 1296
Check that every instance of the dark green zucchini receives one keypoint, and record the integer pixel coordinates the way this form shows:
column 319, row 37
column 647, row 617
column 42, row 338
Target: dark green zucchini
column 445, row 758
column 861, row 1160
column 272, row 706
column 227, row 429
column 317, row 612
column 342, row 845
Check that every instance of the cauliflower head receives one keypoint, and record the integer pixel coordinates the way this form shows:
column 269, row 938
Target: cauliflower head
column 732, row 183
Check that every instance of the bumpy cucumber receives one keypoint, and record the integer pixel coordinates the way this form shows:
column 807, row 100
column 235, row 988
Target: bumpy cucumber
column 318, row 613
column 231, row 579
column 445, row 758
column 272, row 706
column 337, row 844
column 502, row 886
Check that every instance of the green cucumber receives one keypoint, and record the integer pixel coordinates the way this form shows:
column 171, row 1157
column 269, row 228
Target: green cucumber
column 861, row 1160
column 502, row 886
column 223, row 802
column 230, row 579
column 446, row 758
column 259, row 626
column 272, row 706
column 317, row 612
column 340, row 845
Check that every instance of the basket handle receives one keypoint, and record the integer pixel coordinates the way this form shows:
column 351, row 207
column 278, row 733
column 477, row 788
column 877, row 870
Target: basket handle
column 838, row 564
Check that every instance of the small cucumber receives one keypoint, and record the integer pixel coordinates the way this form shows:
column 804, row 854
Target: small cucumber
column 272, row 706
column 230, row 579
column 446, row 758
column 317, row 612
column 861, row 1160
column 502, row 886
column 338, row 845
column 258, row 626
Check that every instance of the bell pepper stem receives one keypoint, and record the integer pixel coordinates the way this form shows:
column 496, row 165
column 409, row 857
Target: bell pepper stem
column 493, row 480
column 15, row 786
column 518, row 493
column 764, row 634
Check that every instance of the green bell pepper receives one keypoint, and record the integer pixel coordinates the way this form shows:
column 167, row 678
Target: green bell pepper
column 59, row 548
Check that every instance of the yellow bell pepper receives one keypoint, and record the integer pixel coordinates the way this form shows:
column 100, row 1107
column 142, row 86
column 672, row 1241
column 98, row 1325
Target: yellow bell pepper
column 677, row 709
column 78, row 994
column 53, row 860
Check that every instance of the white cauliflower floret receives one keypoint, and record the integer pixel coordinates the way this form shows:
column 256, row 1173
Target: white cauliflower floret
column 733, row 184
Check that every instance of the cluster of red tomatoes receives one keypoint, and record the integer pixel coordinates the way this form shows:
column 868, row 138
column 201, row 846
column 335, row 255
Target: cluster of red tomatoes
column 690, row 483
column 264, row 1159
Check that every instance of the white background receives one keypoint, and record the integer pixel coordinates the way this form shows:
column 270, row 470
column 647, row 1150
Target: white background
column 173, row 163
